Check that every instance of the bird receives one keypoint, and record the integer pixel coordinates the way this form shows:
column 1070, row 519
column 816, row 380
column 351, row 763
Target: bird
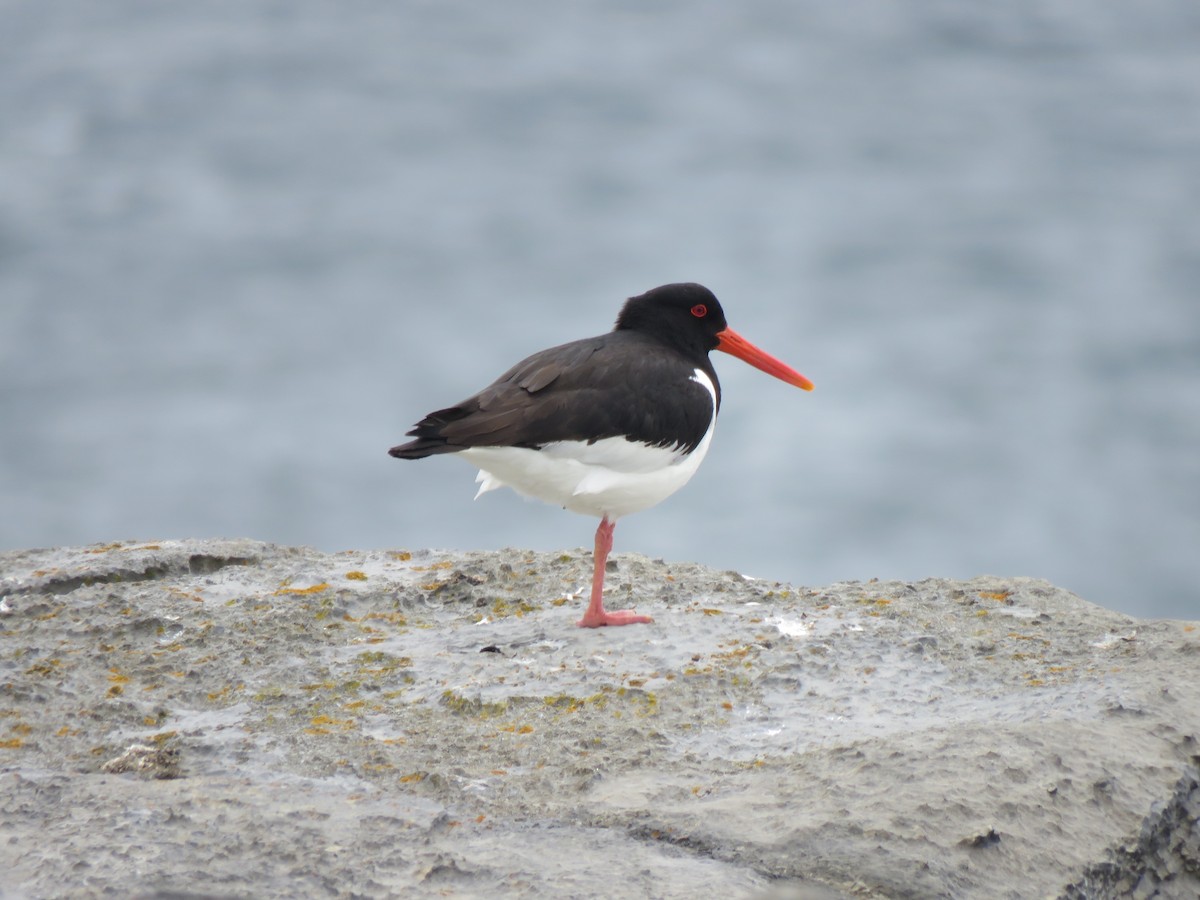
column 604, row 426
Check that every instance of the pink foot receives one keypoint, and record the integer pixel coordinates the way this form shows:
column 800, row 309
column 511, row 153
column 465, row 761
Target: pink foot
column 595, row 615
column 617, row 617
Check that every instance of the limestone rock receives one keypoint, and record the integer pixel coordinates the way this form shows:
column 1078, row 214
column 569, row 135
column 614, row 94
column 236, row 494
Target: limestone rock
column 431, row 723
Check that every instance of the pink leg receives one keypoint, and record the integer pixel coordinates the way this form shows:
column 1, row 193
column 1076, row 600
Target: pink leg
column 596, row 615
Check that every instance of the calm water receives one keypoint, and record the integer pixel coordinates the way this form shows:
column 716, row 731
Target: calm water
column 244, row 245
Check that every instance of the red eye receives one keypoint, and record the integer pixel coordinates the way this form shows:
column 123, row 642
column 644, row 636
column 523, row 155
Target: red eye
column 699, row 310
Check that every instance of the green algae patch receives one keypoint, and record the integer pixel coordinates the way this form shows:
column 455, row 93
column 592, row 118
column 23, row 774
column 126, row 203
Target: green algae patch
column 377, row 662
column 501, row 608
column 474, row 707
column 639, row 702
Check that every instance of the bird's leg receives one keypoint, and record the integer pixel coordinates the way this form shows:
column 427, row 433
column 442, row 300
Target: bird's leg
column 595, row 616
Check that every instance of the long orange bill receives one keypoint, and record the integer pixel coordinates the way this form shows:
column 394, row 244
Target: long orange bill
column 733, row 343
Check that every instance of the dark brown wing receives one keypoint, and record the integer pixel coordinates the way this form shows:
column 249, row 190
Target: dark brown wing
column 618, row 384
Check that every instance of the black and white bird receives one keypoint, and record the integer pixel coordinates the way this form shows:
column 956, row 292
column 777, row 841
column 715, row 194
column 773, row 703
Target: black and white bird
column 603, row 426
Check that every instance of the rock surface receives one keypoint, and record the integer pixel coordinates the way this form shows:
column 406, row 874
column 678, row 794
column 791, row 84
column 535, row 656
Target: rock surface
column 236, row 719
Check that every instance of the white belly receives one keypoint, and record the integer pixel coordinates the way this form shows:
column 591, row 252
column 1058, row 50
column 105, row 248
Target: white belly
column 610, row 477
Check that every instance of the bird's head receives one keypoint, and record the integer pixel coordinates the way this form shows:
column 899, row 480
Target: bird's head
column 689, row 318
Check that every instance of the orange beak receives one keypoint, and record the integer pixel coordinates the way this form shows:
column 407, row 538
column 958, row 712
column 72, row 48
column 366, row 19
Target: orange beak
column 733, row 343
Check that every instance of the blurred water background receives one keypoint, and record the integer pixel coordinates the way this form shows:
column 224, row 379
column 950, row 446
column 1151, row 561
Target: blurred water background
column 245, row 245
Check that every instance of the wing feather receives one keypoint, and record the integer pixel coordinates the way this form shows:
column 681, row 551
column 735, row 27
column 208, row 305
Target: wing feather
column 616, row 385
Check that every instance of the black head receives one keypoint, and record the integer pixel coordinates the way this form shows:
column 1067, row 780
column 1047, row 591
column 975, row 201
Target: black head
column 685, row 316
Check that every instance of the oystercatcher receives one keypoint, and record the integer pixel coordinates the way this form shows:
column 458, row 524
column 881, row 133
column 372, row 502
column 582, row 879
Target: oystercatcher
column 604, row 426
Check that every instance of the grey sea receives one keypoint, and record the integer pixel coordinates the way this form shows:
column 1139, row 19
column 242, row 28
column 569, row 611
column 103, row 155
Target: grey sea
column 245, row 245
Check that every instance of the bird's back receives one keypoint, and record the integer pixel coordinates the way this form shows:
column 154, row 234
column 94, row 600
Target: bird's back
column 621, row 384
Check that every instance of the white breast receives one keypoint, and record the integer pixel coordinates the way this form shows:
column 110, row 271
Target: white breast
column 609, row 477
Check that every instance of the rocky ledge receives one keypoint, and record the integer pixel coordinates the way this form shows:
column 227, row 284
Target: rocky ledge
column 237, row 719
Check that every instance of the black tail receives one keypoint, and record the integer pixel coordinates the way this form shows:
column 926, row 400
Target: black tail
column 428, row 434
column 420, row 449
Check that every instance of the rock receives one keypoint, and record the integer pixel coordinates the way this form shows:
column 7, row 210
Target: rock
column 424, row 723
column 148, row 762
column 1165, row 861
